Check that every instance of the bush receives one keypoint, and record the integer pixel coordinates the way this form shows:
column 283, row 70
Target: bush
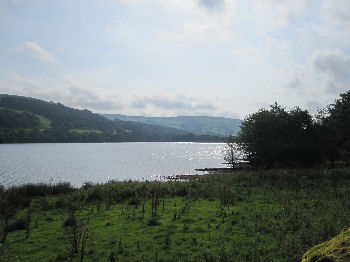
column 94, row 194
column 153, row 221
column 134, row 202
column 60, row 203
column 181, row 192
column 71, row 221
column 18, row 224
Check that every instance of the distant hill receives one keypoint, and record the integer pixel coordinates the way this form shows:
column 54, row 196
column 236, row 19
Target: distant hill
column 200, row 125
column 25, row 119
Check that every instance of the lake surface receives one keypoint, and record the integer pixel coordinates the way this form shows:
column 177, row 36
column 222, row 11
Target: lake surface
column 100, row 162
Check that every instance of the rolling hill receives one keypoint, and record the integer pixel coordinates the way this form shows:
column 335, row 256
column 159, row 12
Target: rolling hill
column 200, row 125
column 25, row 119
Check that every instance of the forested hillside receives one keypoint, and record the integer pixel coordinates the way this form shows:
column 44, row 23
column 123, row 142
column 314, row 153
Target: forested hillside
column 24, row 119
column 200, row 125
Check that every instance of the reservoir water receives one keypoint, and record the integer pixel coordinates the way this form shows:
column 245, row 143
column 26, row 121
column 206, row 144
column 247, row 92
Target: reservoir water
column 100, row 162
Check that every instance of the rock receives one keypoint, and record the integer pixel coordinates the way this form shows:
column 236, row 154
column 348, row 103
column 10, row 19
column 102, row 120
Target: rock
column 335, row 250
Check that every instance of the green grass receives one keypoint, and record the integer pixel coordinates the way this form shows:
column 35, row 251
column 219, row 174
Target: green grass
column 245, row 216
column 19, row 111
column 80, row 131
column 44, row 122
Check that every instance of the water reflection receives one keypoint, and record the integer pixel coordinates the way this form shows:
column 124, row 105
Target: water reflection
column 98, row 163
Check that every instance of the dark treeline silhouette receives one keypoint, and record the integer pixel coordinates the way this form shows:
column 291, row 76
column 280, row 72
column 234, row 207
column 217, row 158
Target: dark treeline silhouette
column 277, row 138
column 63, row 135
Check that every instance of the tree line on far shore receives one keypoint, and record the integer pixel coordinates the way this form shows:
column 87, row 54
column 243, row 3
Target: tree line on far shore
column 277, row 138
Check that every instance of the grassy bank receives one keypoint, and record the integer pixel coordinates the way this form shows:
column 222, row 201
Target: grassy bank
column 245, row 216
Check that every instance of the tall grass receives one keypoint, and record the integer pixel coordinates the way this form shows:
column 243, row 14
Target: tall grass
column 273, row 215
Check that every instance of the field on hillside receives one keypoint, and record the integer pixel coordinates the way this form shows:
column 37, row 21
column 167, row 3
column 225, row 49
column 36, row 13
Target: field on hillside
column 244, row 216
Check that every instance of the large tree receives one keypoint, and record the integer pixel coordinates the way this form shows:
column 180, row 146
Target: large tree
column 280, row 138
column 339, row 124
column 233, row 154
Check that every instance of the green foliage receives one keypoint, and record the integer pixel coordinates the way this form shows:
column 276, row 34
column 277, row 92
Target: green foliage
column 41, row 189
column 17, row 224
column 44, row 122
column 153, row 221
column 26, row 120
column 273, row 215
column 339, row 124
column 280, row 138
column 16, row 119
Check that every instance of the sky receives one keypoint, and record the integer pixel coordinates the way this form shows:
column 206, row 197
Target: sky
column 226, row 58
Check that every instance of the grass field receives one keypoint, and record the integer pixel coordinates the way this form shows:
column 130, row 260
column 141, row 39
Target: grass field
column 80, row 131
column 245, row 216
column 44, row 122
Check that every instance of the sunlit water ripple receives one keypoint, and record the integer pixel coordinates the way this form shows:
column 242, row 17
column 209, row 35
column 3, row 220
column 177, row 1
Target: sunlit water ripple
column 100, row 162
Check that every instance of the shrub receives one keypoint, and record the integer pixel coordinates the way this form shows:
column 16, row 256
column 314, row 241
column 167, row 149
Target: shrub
column 60, row 203
column 94, row 194
column 17, row 224
column 153, row 221
column 134, row 202
column 70, row 221
column 112, row 257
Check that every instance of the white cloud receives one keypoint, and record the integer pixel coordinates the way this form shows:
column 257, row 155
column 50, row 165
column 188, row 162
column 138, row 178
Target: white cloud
column 336, row 21
column 212, row 4
column 198, row 32
column 191, row 48
column 275, row 14
column 295, row 77
column 150, row 101
column 198, row 23
column 166, row 5
column 38, row 52
column 59, row 91
column 190, row 6
column 334, row 66
column 332, row 62
column 144, row 100
column 337, row 11
column 277, row 47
